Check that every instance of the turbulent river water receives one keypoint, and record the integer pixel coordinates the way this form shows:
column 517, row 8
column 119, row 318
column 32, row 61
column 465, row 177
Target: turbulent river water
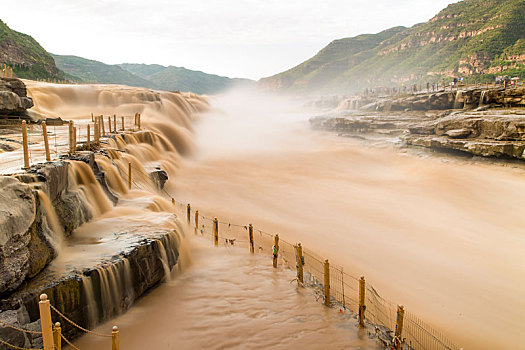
column 444, row 237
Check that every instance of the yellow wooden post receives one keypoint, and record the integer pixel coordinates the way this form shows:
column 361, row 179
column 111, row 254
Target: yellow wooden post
column 188, row 212
column 173, row 201
column 399, row 321
column 196, row 221
column 45, row 322
column 74, row 139
column 25, row 144
column 129, row 176
column 114, row 123
column 92, row 119
column 250, row 231
column 115, row 342
column 300, row 263
column 109, row 124
column 71, row 130
column 275, row 250
column 138, row 121
column 89, row 137
column 102, row 124
column 216, row 232
column 362, row 306
column 122, row 118
column 326, row 283
column 97, row 133
column 46, row 141
column 57, row 338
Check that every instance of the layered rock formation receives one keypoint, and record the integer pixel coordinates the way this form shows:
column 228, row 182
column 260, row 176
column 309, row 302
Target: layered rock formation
column 13, row 97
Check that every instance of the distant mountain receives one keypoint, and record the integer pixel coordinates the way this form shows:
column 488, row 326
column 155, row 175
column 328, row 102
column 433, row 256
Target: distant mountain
column 28, row 59
column 477, row 39
column 178, row 78
column 90, row 71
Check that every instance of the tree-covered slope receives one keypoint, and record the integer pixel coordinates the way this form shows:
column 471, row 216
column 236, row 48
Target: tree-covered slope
column 178, row 78
column 28, row 59
column 473, row 38
column 90, row 71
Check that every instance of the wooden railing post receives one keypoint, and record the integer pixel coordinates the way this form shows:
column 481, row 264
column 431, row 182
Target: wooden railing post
column 46, row 142
column 74, row 139
column 300, row 263
column 216, row 232
column 326, row 283
column 138, row 120
column 114, row 123
column 103, row 127
column 399, row 321
column 362, row 306
column 89, row 137
column 122, row 118
column 71, row 131
column 109, row 125
column 275, row 250
column 129, row 176
column 188, row 212
column 25, row 145
column 45, row 322
column 250, row 231
column 57, row 337
column 115, row 341
column 196, row 221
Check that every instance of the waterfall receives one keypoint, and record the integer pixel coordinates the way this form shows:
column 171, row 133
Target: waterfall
column 458, row 103
column 87, row 286
column 52, row 219
column 482, row 97
column 164, row 260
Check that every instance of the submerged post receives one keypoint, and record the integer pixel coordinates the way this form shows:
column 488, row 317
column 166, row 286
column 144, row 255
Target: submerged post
column 115, row 342
column 129, row 176
column 216, row 232
column 57, row 337
column 45, row 322
column 188, row 212
column 362, row 306
column 300, row 263
column 173, row 201
column 275, row 250
column 250, row 231
column 26, row 145
column 196, row 221
column 88, row 137
column 46, row 141
column 399, row 321
column 71, row 133
column 326, row 283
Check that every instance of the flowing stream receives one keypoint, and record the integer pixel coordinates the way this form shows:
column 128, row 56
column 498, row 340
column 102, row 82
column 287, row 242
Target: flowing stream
column 442, row 236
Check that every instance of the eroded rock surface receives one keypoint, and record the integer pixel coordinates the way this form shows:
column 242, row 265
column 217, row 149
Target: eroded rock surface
column 13, row 97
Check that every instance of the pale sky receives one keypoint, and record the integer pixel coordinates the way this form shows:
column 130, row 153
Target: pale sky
column 248, row 39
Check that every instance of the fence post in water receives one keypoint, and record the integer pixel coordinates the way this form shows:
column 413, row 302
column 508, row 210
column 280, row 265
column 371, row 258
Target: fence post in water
column 275, row 250
column 89, row 137
column 109, row 125
column 399, row 321
column 71, row 137
column 74, row 139
column 250, row 231
column 57, row 338
column 138, row 121
column 122, row 117
column 115, row 343
column 196, row 221
column 114, row 123
column 45, row 322
column 102, row 123
column 92, row 119
column 326, row 283
column 129, row 176
column 173, row 201
column 216, row 232
column 26, row 146
column 188, row 212
column 46, row 141
column 300, row 259
column 362, row 306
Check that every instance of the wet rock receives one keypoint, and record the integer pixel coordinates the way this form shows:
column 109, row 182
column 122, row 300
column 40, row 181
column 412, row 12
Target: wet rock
column 13, row 97
column 17, row 214
column 159, row 177
column 10, row 335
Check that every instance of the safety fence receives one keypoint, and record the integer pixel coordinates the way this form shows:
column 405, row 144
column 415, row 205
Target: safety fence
column 395, row 327
column 51, row 333
column 27, row 144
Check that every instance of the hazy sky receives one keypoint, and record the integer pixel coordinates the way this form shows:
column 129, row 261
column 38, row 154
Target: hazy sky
column 250, row 38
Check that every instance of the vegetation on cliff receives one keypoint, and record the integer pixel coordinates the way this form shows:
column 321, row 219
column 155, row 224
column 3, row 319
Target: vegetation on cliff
column 472, row 38
column 28, row 59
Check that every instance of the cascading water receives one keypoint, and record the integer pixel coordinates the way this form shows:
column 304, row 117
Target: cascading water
column 482, row 97
column 458, row 103
column 52, row 218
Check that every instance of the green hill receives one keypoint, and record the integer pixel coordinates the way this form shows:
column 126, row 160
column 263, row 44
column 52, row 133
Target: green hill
column 90, row 71
column 25, row 55
column 178, row 78
column 472, row 38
